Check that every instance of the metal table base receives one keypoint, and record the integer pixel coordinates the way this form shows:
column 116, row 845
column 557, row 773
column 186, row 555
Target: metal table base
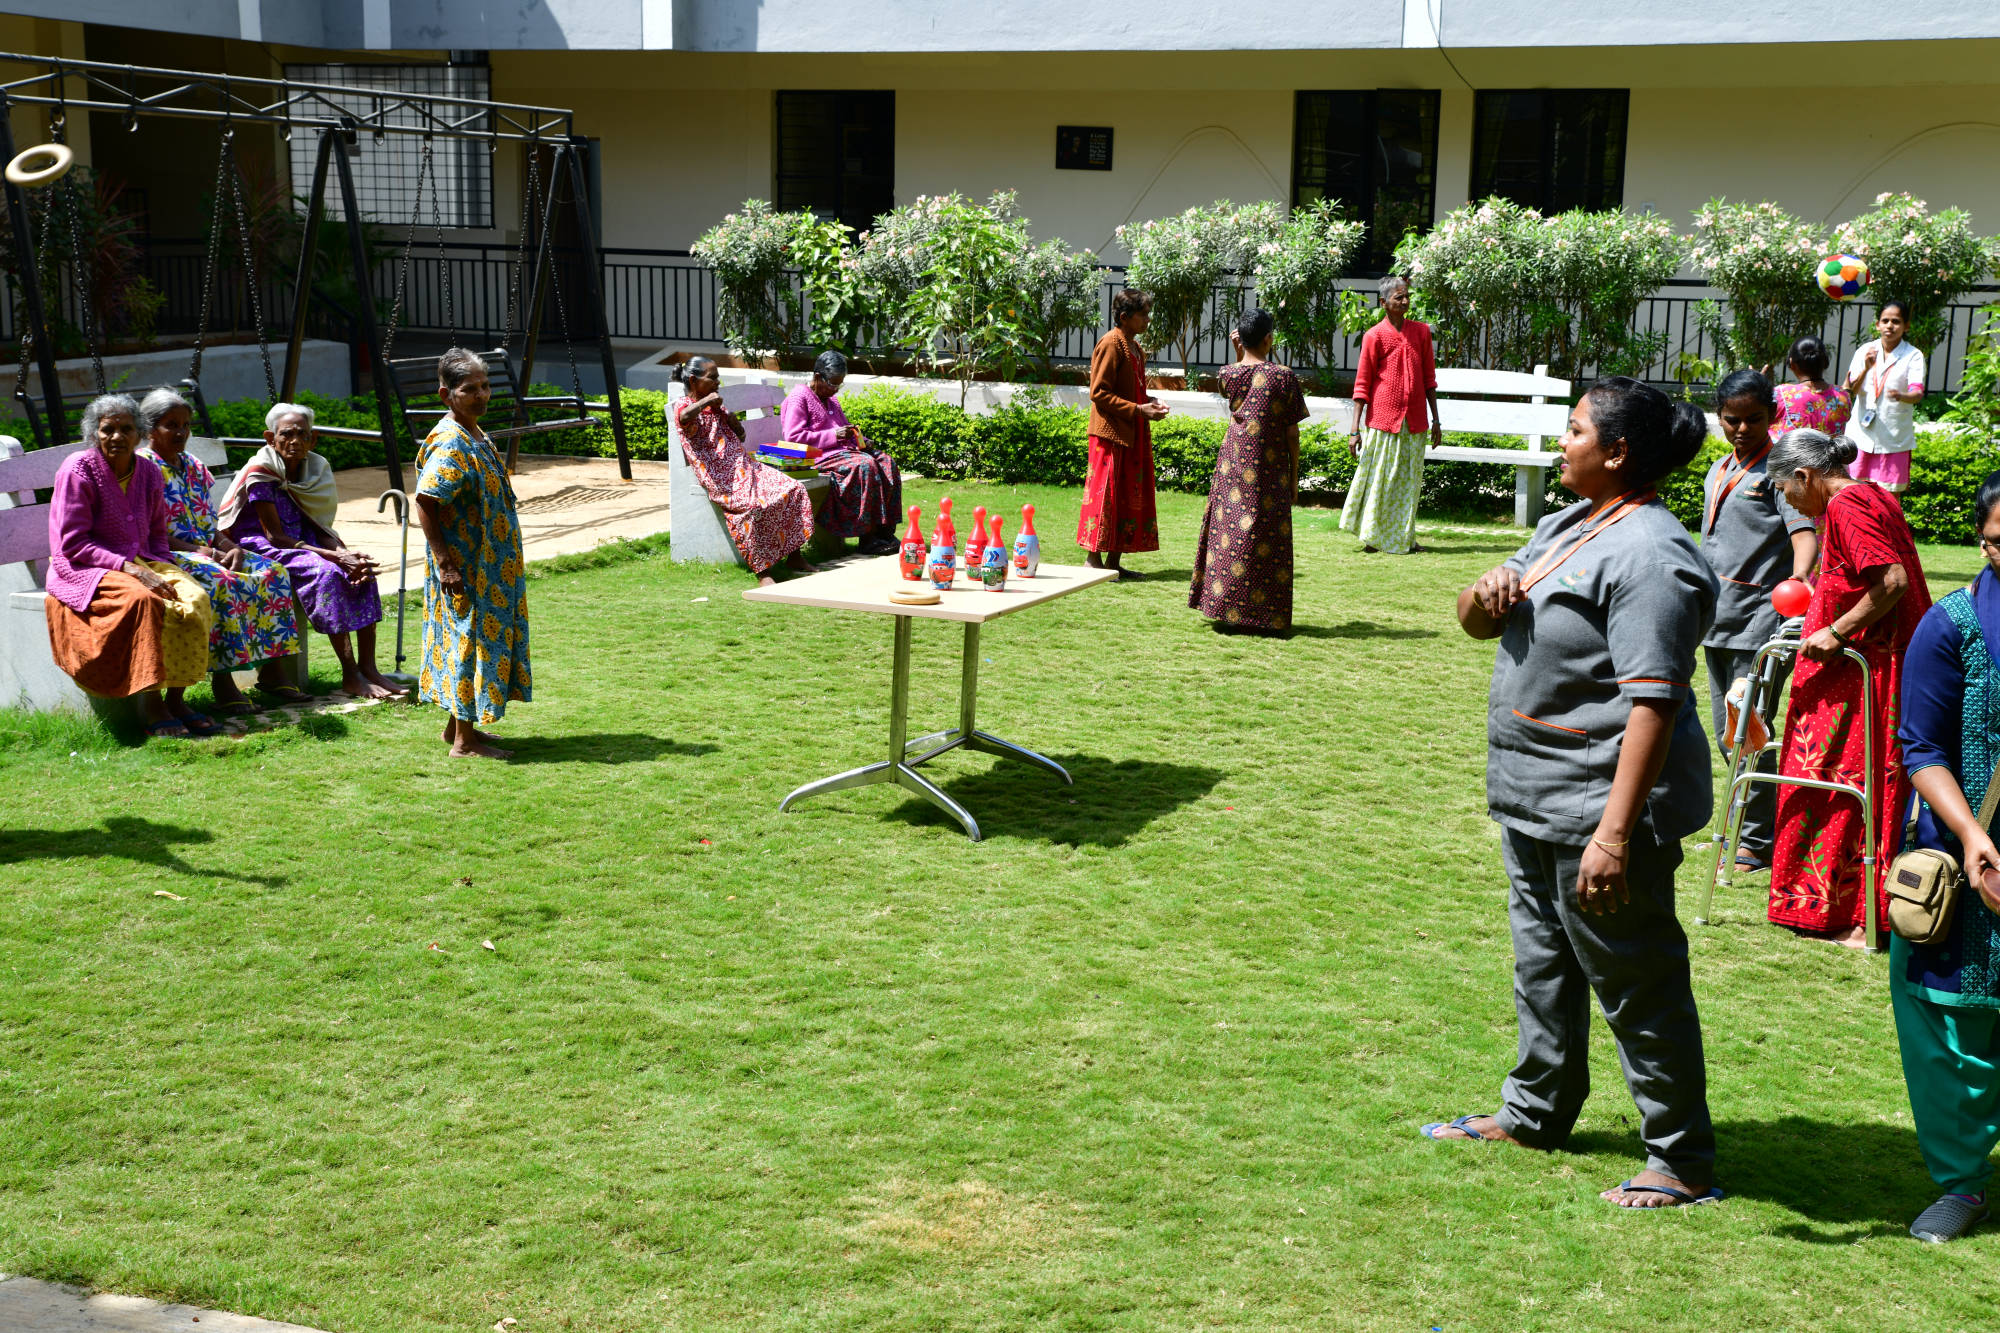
column 900, row 768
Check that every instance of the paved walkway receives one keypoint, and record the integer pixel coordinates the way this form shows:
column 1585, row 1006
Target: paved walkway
column 28, row 1306
column 566, row 505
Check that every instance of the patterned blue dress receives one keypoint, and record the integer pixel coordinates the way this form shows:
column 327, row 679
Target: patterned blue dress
column 475, row 656
column 254, row 621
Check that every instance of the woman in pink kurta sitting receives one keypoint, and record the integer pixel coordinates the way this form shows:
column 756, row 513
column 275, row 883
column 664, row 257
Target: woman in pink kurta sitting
column 769, row 516
column 867, row 488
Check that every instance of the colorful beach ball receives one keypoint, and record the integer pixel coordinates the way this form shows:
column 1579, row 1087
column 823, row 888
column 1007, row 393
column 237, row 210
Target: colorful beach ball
column 1842, row 277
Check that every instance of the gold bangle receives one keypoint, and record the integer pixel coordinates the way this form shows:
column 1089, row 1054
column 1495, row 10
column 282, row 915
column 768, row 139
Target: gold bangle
column 1612, row 847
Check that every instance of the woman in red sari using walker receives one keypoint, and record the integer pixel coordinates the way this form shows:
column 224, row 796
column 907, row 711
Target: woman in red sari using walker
column 1118, row 514
column 1870, row 596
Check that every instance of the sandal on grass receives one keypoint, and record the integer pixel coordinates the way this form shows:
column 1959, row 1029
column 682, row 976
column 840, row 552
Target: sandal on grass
column 236, row 708
column 288, row 694
column 200, row 724
column 1949, row 1218
column 1750, row 865
column 170, row 727
column 1463, row 1125
column 1681, row 1198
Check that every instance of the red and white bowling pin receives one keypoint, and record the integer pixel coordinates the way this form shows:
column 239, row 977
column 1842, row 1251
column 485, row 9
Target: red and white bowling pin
column 975, row 545
column 993, row 564
column 1027, row 546
column 912, row 551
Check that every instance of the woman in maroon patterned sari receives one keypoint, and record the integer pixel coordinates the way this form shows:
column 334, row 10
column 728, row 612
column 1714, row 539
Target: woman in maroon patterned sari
column 1870, row 596
column 1243, row 562
column 769, row 516
column 1118, row 513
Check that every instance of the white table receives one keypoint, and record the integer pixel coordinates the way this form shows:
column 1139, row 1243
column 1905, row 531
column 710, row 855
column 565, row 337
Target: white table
column 864, row 585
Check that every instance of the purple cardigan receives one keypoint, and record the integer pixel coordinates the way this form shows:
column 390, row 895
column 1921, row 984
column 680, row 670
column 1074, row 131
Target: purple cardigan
column 811, row 419
column 95, row 528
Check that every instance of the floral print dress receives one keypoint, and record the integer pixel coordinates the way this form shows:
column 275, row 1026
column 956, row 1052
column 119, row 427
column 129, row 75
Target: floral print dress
column 1802, row 407
column 254, row 620
column 1243, row 562
column 475, row 655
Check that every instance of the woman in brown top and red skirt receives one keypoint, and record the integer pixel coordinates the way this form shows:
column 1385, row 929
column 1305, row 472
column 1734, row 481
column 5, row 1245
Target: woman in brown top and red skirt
column 1118, row 513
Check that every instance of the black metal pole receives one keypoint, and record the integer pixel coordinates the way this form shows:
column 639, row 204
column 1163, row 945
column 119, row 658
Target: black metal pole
column 27, row 261
column 385, row 407
column 594, row 285
column 308, row 256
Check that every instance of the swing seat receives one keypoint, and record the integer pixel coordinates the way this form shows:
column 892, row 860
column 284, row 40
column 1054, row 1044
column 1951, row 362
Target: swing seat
column 415, row 382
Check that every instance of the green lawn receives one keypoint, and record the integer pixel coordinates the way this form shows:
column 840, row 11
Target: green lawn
column 1150, row 1057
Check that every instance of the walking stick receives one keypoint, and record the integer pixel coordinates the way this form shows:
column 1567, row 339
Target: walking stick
column 402, row 563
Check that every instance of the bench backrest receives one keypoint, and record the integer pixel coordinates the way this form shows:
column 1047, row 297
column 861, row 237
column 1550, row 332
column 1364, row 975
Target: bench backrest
column 764, row 400
column 24, row 524
column 1536, row 418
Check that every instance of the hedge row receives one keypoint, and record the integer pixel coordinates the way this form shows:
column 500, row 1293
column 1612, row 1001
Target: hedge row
column 1034, row 440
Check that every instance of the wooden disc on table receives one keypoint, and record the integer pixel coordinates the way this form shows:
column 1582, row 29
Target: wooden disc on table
column 915, row 596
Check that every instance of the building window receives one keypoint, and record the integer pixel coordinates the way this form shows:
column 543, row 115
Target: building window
column 1376, row 152
column 836, row 155
column 386, row 172
column 1551, row 150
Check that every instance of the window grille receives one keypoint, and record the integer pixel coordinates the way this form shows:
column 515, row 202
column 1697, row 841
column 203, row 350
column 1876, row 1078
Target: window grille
column 386, row 171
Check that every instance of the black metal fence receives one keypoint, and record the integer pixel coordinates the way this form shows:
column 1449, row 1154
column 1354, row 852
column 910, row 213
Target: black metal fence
column 667, row 297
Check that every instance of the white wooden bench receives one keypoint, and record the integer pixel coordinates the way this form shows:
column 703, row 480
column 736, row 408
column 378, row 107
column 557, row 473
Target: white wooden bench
column 29, row 676
column 699, row 533
column 1530, row 415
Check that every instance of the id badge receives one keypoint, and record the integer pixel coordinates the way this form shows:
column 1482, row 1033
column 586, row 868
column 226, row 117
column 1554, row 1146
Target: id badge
column 1867, row 417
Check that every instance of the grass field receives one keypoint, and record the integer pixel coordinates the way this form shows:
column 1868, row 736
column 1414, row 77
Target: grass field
column 1150, row 1057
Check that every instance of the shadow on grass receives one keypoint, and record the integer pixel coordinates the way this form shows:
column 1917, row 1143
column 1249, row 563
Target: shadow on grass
column 126, row 836
column 1109, row 803
column 605, row 747
column 1844, row 1179
column 1359, row 629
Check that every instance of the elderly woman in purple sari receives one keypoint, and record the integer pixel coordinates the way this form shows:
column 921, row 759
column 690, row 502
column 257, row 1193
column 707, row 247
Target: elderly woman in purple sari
column 281, row 507
column 867, row 489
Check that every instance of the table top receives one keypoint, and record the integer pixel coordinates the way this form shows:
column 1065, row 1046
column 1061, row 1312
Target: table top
column 864, row 585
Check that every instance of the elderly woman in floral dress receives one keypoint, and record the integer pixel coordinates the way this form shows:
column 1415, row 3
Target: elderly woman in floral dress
column 769, row 516
column 475, row 658
column 123, row 619
column 252, row 597
column 867, row 488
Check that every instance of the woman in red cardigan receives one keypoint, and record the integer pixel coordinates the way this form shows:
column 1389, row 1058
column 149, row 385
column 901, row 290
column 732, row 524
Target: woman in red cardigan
column 1397, row 379
column 1118, row 513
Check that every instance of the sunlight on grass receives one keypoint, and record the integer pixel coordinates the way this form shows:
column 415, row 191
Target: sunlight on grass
column 1151, row 1056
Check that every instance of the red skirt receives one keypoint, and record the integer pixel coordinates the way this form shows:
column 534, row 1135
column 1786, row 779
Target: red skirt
column 1118, row 512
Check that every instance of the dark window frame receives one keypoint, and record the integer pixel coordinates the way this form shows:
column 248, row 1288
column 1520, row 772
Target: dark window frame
column 1546, row 202
column 1371, row 264
column 785, row 186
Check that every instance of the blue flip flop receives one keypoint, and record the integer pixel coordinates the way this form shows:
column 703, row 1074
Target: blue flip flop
column 1681, row 1198
column 1463, row 1125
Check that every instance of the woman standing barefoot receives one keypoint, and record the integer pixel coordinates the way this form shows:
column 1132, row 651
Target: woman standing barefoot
column 1118, row 512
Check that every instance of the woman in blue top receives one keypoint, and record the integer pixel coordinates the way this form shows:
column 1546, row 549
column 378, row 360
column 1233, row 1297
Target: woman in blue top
column 1596, row 769
column 1946, row 995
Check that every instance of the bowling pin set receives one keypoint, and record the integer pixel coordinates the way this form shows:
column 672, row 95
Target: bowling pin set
column 986, row 555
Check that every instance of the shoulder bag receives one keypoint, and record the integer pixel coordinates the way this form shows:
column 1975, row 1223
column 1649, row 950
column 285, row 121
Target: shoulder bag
column 1925, row 884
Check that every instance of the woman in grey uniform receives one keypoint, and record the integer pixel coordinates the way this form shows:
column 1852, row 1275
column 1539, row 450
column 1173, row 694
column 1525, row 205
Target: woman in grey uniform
column 1753, row 539
column 1597, row 768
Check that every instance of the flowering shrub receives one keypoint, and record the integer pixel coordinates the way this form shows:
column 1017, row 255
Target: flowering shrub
column 758, row 308
column 1914, row 255
column 1189, row 263
column 1764, row 258
column 1506, row 288
column 1058, row 291
column 1298, row 280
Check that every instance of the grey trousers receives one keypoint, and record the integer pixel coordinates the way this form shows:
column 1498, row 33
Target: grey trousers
column 1760, row 817
column 1636, row 960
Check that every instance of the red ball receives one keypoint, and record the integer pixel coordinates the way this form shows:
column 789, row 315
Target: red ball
column 1791, row 598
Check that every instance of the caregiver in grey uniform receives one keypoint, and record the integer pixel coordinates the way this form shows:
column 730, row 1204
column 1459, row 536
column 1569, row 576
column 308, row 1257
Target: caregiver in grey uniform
column 1596, row 769
column 1753, row 539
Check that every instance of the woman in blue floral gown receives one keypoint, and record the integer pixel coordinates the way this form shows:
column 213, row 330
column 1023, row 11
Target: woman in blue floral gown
column 252, row 596
column 475, row 655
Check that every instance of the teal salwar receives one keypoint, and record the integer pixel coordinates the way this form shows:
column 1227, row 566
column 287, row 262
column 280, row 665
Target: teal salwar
column 1951, row 1062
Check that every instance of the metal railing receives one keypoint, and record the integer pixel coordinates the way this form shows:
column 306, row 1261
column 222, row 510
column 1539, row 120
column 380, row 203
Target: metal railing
column 667, row 297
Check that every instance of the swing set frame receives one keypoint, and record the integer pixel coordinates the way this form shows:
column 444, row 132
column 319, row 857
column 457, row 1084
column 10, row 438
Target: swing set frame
column 331, row 111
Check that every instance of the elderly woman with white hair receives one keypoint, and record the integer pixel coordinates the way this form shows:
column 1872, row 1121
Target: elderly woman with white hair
column 123, row 619
column 281, row 507
column 252, row 596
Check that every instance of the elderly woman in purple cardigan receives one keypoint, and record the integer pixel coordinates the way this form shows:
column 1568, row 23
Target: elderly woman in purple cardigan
column 867, row 489
column 124, row 620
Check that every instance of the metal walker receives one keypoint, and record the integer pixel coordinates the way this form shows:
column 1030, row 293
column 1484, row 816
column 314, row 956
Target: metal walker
column 1743, row 772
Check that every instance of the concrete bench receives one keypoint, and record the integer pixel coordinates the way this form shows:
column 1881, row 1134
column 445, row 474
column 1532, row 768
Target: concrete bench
column 699, row 533
column 29, row 676
column 1531, row 415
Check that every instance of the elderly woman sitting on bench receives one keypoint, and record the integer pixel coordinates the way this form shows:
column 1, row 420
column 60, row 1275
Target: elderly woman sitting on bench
column 768, row 515
column 281, row 507
column 123, row 620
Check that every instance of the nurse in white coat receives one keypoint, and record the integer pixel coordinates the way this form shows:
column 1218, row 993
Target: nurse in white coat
column 1886, row 378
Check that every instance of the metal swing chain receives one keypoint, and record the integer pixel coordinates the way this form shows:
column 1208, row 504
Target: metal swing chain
column 250, row 280
column 562, row 313
column 519, row 280
column 437, row 224
column 83, row 268
column 403, row 268
column 214, row 257
column 33, row 257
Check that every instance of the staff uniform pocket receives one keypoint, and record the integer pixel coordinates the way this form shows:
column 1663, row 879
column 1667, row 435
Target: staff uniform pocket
column 1542, row 766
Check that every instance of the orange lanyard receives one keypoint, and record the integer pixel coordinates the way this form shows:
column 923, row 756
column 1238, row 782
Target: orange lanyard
column 1883, row 364
column 1729, row 482
column 1622, row 508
